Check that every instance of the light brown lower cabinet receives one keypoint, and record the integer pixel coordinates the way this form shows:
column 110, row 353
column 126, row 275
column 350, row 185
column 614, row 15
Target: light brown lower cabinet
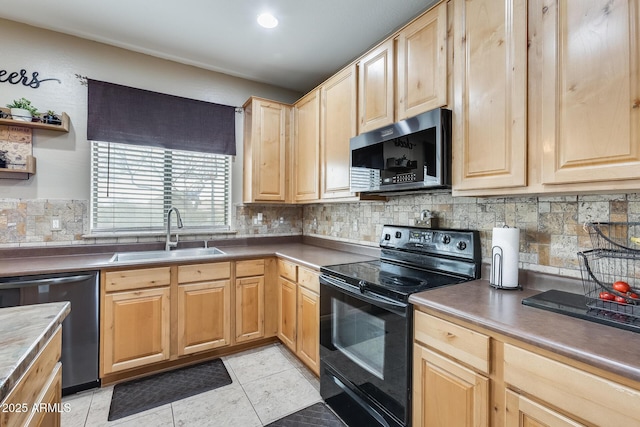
column 445, row 393
column 308, row 337
column 249, row 300
column 299, row 312
column 524, row 412
column 137, row 328
column 39, row 388
column 287, row 308
column 204, row 307
column 161, row 314
column 464, row 375
column 582, row 397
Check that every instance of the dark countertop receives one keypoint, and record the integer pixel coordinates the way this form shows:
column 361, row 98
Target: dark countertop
column 23, row 333
column 311, row 256
column 601, row 346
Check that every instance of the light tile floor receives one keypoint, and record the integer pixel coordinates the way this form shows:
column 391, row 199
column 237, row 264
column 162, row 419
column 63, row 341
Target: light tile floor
column 268, row 384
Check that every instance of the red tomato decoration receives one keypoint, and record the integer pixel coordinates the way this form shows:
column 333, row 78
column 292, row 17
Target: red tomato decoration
column 632, row 295
column 621, row 286
column 607, row 296
column 620, row 300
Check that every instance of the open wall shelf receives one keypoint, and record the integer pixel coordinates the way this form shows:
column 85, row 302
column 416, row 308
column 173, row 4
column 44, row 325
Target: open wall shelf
column 64, row 127
column 29, row 169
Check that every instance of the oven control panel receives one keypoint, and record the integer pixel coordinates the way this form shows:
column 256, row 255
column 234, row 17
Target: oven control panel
column 458, row 243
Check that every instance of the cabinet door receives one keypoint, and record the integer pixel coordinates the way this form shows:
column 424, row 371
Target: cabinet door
column 308, row 339
column 307, row 148
column 203, row 316
column 490, row 94
column 375, row 88
column 265, row 144
column 136, row 328
column 249, row 308
column 590, row 90
column 446, row 393
column 422, row 64
column 338, row 124
column 524, row 412
column 51, row 396
column 287, row 312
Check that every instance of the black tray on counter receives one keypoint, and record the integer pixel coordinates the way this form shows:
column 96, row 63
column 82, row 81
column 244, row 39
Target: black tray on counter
column 575, row 305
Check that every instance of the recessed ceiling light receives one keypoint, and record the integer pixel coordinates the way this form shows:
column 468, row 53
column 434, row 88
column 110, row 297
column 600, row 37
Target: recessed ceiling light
column 267, row 20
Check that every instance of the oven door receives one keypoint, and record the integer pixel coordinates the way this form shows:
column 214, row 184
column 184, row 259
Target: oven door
column 364, row 354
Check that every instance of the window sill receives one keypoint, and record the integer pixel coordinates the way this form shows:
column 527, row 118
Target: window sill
column 181, row 233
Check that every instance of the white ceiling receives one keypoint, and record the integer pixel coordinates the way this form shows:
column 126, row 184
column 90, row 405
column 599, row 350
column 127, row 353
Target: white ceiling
column 314, row 39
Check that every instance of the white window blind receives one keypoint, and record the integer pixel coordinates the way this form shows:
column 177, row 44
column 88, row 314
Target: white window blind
column 133, row 186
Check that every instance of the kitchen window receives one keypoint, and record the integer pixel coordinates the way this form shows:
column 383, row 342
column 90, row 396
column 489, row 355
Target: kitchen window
column 152, row 151
column 133, row 186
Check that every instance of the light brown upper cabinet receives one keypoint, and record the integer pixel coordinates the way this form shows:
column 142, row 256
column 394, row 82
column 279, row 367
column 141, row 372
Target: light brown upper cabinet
column 490, row 94
column 405, row 75
column 266, row 141
column 338, row 124
column 422, row 64
column 376, row 88
column 306, row 150
column 589, row 86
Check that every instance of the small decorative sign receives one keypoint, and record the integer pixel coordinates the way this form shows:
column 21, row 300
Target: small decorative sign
column 21, row 77
column 16, row 142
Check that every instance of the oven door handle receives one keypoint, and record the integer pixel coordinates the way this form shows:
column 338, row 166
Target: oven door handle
column 377, row 300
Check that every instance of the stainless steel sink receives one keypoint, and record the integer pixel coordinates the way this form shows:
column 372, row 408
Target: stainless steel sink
column 189, row 253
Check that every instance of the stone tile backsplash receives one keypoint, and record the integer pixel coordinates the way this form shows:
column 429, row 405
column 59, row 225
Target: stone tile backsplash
column 29, row 223
column 551, row 226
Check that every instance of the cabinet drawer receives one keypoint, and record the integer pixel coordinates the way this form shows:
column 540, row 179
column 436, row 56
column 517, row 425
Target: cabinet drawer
column 253, row 267
column 29, row 387
column 202, row 272
column 136, row 279
column 467, row 346
column 593, row 398
column 309, row 279
column 288, row 270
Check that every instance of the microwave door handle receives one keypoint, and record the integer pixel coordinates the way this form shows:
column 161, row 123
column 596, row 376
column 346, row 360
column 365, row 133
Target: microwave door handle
column 377, row 300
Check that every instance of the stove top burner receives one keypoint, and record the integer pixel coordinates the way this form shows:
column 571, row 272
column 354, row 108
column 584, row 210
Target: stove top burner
column 414, row 259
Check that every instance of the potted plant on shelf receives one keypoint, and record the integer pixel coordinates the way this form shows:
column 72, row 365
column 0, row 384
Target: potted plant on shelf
column 22, row 110
column 51, row 118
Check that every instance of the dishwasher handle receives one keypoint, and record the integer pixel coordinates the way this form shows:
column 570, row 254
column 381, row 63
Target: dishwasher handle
column 45, row 281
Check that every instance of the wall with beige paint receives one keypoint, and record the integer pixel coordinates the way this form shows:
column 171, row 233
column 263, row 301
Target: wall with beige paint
column 63, row 159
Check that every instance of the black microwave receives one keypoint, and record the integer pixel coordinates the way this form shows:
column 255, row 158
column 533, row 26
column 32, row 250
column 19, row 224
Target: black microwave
column 412, row 154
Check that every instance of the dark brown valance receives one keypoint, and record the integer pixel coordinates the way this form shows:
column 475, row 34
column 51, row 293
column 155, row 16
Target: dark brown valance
column 141, row 117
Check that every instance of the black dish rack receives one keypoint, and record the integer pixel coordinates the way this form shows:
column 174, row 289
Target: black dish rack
column 615, row 257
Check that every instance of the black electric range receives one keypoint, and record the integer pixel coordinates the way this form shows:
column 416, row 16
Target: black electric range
column 575, row 305
column 366, row 321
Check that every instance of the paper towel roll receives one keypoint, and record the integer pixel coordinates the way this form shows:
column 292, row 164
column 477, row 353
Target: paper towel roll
column 507, row 239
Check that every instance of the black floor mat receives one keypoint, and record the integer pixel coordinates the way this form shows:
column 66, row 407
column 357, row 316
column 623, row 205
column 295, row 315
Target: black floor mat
column 315, row 415
column 146, row 393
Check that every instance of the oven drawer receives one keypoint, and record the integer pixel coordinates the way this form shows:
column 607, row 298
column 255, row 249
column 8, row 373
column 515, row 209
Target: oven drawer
column 460, row 343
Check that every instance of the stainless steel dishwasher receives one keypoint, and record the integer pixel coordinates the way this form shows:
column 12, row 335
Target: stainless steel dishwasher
column 79, row 330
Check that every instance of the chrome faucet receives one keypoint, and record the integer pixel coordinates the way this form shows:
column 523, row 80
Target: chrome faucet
column 170, row 244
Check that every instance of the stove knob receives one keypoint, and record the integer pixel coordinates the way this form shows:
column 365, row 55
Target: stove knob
column 461, row 245
column 446, row 239
column 387, row 236
column 362, row 285
column 398, row 234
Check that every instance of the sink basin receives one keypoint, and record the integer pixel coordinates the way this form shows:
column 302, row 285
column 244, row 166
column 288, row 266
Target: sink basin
column 165, row 255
